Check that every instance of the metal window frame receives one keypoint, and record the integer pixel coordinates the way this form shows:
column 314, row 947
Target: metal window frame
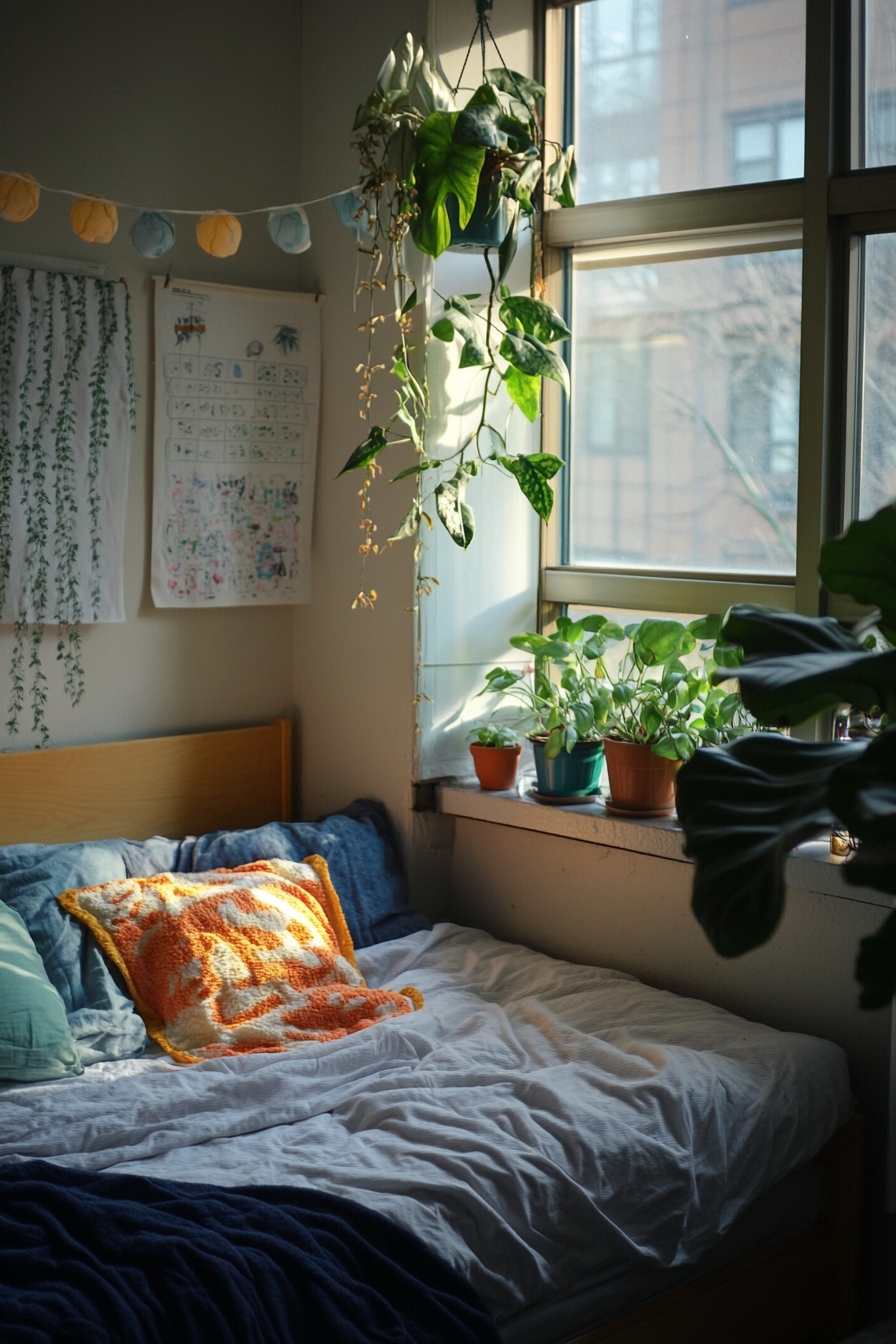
column 830, row 205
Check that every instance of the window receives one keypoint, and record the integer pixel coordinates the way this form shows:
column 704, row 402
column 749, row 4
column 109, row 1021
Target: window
column 730, row 295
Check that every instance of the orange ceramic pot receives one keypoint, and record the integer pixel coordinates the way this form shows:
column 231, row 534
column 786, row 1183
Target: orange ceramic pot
column 640, row 781
column 496, row 766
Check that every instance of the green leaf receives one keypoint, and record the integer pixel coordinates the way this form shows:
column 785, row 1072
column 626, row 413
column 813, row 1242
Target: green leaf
column 531, row 356
column 764, row 631
column 555, row 743
column 484, row 122
column 416, row 469
column 366, row 451
column 560, row 178
column 434, row 89
column 524, row 391
column 790, row 690
column 461, row 316
column 443, row 329
column 410, row 302
column 443, row 168
column 532, row 474
column 529, row 642
column 534, row 316
column 526, row 184
column 507, row 251
column 408, row 526
column 863, row 563
column 456, row 516
column 743, row 808
column 658, row 642
column 706, row 627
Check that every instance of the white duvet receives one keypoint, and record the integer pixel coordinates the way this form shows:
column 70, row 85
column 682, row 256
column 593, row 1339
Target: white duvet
column 536, row 1122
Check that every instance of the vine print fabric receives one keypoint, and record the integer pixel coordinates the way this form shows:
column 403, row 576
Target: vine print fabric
column 66, row 407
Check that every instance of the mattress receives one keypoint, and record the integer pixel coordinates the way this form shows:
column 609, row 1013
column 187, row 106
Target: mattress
column 541, row 1125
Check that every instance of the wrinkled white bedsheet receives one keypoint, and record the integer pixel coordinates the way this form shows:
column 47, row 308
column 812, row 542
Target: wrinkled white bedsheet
column 535, row 1122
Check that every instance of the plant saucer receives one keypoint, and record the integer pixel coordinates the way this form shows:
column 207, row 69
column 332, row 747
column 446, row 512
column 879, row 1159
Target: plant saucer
column 637, row 812
column 563, row 802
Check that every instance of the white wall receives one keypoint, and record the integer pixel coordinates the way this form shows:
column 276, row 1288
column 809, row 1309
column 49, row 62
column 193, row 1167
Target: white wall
column 196, row 106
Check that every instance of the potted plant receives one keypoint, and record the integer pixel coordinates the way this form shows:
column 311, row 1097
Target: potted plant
column 656, row 710
column 744, row 808
column 647, row 709
column 496, row 755
column 559, row 711
column 465, row 176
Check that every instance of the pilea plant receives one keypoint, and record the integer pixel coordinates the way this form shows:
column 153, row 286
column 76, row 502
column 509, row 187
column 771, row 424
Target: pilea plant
column 429, row 168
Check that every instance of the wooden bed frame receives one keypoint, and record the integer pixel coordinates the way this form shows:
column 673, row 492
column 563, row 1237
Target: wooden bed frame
column 799, row 1291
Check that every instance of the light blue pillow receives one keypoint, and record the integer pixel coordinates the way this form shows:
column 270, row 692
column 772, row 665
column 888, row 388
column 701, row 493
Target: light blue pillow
column 35, row 1040
column 101, row 1017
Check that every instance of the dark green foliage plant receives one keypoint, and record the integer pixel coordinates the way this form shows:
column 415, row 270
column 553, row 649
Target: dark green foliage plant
column 743, row 808
column 649, row 695
column 494, row 735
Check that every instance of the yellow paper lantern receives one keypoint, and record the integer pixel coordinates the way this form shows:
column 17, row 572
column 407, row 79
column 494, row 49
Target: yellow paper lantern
column 18, row 199
column 94, row 220
column 219, row 234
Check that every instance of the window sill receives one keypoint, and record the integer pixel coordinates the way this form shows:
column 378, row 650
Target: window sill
column 810, row 866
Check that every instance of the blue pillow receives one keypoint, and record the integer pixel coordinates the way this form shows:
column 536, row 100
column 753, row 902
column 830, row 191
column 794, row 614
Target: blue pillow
column 100, row 1016
column 358, row 845
column 35, row 1040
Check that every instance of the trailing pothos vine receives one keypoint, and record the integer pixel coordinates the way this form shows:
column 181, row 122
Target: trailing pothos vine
column 56, row 337
column 429, row 168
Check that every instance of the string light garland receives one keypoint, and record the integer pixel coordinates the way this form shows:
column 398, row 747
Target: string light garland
column 95, row 218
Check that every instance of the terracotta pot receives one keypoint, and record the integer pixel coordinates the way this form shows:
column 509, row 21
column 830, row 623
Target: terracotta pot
column 496, row 766
column 640, row 781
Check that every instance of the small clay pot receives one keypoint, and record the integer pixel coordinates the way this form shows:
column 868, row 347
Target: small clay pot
column 640, row 781
column 496, row 767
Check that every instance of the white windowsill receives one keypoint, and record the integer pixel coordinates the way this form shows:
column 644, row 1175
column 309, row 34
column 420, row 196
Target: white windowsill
column 810, row 866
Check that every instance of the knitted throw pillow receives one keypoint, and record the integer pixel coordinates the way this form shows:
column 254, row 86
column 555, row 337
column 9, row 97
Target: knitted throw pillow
column 236, row 961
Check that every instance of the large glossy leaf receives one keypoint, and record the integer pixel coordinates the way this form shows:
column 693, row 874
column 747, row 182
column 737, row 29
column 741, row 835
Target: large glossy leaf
column 876, row 963
column 791, row 690
column 766, row 631
column 863, row 563
column 863, row 793
column 517, row 85
column 533, row 315
column 524, row 391
column 432, row 86
column 743, row 807
column 531, row 356
column 660, row 641
column 484, row 122
column 366, row 451
column 507, row 250
column 443, row 168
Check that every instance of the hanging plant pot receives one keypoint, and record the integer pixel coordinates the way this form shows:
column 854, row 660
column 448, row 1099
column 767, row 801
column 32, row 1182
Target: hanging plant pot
column 483, row 230
column 572, row 774
column 495, row 766
column 641, row 783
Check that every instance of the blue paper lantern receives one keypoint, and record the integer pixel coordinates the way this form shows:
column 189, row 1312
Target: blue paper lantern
column 290, row 230
column 152, row 234
column 347, row 204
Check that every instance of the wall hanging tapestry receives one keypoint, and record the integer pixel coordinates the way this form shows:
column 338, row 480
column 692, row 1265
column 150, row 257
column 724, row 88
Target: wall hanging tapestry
column 237, row 393
column 66, row 412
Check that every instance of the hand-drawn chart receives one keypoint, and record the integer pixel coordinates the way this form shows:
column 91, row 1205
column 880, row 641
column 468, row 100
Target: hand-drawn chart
column 237, row 379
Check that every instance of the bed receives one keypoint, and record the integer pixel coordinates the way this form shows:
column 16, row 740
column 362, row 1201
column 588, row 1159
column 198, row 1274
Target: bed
column 600, row 1160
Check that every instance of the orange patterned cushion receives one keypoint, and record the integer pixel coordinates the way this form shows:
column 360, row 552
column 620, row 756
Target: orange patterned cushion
column 236, row 961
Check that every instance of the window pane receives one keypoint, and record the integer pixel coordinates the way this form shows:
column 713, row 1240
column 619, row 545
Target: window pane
column 684, row 414
column 672, row 95
column 880, row 83
column 877, row 457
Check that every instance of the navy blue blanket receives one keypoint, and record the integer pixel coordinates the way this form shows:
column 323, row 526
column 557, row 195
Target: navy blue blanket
column 95, row 1258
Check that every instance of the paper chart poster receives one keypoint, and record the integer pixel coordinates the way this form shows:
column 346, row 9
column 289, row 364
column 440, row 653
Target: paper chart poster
column 237, row 392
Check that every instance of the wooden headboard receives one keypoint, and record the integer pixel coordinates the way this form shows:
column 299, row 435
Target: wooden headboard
column 173, row 786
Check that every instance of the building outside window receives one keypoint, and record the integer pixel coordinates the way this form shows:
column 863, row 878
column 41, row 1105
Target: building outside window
column 727, row 275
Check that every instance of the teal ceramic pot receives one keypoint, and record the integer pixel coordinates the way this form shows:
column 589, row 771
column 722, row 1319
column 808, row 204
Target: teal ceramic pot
column 481, row 231
column 572, row 774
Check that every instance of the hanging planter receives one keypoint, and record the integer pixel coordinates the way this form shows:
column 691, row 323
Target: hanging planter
column 486, row 227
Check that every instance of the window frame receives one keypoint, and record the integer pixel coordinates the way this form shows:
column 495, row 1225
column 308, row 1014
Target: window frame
column 834, row 205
